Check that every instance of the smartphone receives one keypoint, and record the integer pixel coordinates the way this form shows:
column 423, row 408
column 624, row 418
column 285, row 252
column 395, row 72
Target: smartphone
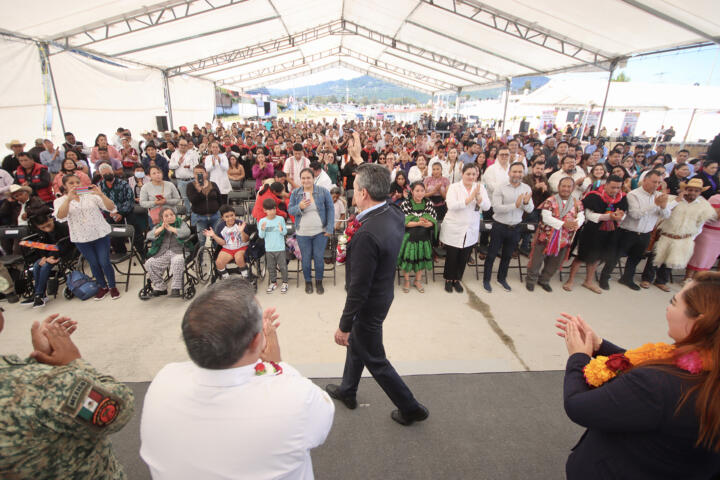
column 200, row 179
column 159, row 197
column 307, row 195
column 82, row 190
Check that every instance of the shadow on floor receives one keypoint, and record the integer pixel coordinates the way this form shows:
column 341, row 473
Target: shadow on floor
column 481, row 426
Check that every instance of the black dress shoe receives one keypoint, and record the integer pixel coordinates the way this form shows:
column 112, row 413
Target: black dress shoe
column 630, row 284
column 319, row 287
column 458, row 287
column 530, row 287
column 545, row 286
column 409, row 418
column 448, row 287
column 308, row 287
column 604, row 284
column 334, row 392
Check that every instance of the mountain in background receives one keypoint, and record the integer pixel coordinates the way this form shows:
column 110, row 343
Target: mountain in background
column 367, row 89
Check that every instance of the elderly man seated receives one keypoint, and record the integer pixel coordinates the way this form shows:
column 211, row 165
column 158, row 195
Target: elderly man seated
column 235, row 410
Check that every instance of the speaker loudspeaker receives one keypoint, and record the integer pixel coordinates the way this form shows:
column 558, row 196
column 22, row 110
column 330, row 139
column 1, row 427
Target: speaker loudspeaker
column 267, row 108
column 162, row 123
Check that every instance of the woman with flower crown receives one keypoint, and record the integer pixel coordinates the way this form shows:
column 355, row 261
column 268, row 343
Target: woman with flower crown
column 652, row 412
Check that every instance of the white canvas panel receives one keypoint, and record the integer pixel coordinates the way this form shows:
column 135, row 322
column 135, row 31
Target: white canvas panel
column 192, row 101
column 299, row 16
column 380, row 15
column 237, row 69
column 22, row 105
column 96, row 97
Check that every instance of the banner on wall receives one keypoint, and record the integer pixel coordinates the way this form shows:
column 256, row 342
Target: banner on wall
column 547, row 119
column 629, row 123
column 593, row 118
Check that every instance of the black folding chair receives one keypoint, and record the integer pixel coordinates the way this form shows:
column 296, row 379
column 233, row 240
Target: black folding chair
column 126, row 232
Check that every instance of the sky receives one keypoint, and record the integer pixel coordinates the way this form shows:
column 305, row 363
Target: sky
column 701, row 65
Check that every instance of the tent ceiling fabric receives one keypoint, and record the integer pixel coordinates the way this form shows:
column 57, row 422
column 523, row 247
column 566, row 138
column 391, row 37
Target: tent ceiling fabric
column 430, row 45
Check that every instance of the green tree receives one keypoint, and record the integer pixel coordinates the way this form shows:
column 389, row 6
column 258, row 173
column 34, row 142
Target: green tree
column 621, row 77
column 527, row 85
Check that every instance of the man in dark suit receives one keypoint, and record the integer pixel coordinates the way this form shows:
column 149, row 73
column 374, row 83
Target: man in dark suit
column 370, row 276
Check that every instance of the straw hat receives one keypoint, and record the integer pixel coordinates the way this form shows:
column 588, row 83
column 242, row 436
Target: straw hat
column 20, row 188
column 693, row 183
column 14, row 141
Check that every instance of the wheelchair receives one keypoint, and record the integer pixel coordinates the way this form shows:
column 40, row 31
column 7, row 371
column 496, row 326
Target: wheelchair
column 30, row 255
column 254, row 258
column 190, row 279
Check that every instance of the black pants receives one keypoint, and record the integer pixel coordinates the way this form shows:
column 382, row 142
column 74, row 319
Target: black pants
column 455, row 262
column 503, row 241
column 651, row 273
column 366, row 350
column 627, row 243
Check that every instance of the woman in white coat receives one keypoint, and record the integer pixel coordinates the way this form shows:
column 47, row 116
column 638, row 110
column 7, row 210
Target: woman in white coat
column 461, row 227
column 217, row 166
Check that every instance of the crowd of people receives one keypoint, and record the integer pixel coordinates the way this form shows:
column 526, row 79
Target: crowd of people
column 547, row 195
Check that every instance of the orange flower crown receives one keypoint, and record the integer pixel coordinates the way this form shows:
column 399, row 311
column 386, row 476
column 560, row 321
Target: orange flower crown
column 602, row 369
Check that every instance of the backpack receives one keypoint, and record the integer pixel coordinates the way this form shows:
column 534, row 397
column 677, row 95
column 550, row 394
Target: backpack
column 80, row 285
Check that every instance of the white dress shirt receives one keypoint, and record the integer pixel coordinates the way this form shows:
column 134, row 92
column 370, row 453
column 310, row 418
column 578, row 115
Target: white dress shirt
column 555, row 178
column 503, row 203
column 461, row 226
column 643, row 214
column 323, row 180
column 218, row 172
column 415, row 175
column 183, row 171
column 231, row 424
column 556, row 223
column 494, row 176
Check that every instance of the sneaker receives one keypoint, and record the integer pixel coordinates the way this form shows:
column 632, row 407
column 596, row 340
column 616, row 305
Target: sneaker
column 487, row 286
column 284, row 288
column 114, row 293
column 244, row 273
column 39, row 302
column 28, row 301
column 101, row 293
column 505, row 285
column 271, row 288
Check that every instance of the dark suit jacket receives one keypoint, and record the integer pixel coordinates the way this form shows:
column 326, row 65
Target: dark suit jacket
column 632, row 429
column 370, row 267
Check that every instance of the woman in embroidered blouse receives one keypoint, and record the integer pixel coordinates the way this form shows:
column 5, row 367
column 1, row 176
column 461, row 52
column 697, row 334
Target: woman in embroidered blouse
column 89, row 231
column 420, row 230
column 659, row 419
column 436, row 189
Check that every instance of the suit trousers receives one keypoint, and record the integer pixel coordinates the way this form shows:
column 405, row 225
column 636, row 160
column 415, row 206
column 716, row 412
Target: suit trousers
column 503, row 241
column 455, row 262
column 538, row 259
column 628, row 243
column 366, row 350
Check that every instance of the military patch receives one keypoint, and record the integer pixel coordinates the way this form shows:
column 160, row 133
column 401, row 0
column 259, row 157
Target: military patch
column 90, row 405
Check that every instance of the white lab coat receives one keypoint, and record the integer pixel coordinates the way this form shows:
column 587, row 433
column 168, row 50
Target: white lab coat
column 461, row 226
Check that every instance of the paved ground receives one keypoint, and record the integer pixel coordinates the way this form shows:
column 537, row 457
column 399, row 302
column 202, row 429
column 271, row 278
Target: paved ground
column 428, row 333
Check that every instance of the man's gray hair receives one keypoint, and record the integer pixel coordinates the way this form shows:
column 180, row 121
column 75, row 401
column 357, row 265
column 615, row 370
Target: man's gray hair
column 375, row 179
column 220, row 323
column 104, row 166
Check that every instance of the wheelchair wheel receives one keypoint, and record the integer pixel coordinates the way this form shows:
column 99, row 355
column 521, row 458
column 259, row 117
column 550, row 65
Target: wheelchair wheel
column 145, row 293
column 67, row 294
column 189, row 291
column 203, row 265
column 261, row 267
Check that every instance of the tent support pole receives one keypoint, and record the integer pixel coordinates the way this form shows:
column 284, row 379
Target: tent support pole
column 46, row 55
column 457, row 102
column 507, row 97
column 687, row 132
column 215, row 102
column 168, row 102
column 613, row 64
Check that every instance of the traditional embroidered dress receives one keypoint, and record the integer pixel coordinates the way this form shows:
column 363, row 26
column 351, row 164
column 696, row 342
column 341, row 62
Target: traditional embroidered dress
column 675, row 244
column 416, row 249
column 597, row 236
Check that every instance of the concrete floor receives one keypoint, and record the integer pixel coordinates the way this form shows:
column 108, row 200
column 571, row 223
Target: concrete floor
column 428, row 333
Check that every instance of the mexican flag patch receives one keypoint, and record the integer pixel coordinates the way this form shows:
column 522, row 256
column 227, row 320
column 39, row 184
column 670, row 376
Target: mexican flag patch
column 98, row 409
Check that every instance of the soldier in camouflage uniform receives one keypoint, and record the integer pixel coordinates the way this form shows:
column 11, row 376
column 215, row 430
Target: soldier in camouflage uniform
column 56, row 410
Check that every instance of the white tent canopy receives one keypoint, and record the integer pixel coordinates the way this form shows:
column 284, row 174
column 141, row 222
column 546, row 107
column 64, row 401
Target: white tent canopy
column 435, row 46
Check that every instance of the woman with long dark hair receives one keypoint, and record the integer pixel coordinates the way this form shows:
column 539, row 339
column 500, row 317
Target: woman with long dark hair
column 650, row 412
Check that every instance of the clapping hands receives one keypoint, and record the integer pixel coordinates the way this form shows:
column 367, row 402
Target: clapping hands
column 579, row 337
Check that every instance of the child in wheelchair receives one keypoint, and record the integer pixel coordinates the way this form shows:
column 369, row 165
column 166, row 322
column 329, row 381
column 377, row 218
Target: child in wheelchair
column 50, row 251
column 230, row 234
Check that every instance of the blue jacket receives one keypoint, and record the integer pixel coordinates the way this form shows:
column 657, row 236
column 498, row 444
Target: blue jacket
column 324, row 203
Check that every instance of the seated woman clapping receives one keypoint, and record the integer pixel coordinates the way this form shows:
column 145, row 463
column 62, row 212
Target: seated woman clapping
column 421, row 229
column 651, row 412
column 168, row 239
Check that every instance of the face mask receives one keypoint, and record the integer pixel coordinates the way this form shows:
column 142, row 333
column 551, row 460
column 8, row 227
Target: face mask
column 109, row 177
column 139, row 174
